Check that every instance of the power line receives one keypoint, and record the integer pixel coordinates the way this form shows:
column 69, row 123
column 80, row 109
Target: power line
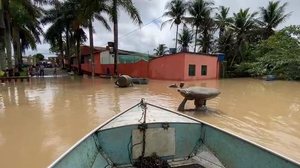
column 127, row 34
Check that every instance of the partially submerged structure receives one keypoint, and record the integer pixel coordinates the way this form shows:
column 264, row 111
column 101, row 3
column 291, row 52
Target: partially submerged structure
column 180, row 66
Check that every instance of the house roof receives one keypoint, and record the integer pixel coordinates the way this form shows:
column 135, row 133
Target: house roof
column 98, row 49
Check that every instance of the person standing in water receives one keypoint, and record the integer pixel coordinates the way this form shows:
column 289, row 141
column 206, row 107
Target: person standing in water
column 42, row 73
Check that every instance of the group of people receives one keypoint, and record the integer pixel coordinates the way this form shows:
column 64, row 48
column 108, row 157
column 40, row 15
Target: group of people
column 38, row 70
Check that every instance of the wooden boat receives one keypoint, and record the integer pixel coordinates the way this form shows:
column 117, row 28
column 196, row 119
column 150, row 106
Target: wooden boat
column 148, row 131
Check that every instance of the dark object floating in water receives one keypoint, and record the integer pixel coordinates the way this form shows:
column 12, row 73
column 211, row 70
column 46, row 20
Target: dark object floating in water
column 269, row 77
column 124, row 81
column 198, row 94
column 175, row 85
column 105, row 76
column 140, row 81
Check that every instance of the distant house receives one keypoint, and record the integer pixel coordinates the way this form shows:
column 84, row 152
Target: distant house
column 180, row 66
column 28, row 60
column 104, row 61
column 184, row 66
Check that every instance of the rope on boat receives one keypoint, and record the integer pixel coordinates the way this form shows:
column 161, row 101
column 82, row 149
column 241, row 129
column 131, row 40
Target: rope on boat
column 100, row 150
column 199, row 143
column 143, row 126
column 151, row 161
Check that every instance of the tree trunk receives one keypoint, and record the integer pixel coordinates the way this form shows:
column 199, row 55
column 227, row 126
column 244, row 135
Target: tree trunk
column 61, row 49
column 8, row 39
column 78, row 51
column 196, row 38
column 2, row 41
column 205, row 41
column 236, row 53
column 221, row 33
column 92, row 46
column 115, row 20
column 17, row 46
column 68, row 47
column 15, row 52
column 176, row 38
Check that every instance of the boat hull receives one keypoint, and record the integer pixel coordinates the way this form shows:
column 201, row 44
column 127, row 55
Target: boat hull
column 182, row 141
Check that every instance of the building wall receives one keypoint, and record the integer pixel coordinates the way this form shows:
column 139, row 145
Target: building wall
column 198, row 60
column 139, row 69
column 106, row 58
column 87, row 67
column 167, row 67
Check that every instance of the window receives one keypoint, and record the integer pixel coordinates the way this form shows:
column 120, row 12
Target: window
column 203, row 70
column 192, row 70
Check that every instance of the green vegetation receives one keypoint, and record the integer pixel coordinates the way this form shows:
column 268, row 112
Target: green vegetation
column 278, row 55
column 20, row 26
column 20, row 23
column 161, row 50
column 185, row 38
column 38, row 57
column 250, row 40
column 176, row 10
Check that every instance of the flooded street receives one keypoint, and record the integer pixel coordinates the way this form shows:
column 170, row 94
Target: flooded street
column 40, row 120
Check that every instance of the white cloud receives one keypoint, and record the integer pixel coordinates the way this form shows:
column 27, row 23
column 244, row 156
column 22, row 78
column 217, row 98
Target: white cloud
column 149, row 36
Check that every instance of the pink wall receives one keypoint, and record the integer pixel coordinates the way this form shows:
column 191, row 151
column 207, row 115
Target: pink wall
column 169, row 67
column 198, row 60
column 139, row 69
column 87, row 67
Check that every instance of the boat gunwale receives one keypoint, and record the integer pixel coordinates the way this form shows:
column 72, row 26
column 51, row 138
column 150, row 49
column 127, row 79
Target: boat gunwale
column 87, row 135
column 180, row 114
column 232, row 134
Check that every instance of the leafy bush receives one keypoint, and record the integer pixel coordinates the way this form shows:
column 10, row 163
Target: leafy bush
column 279, row 55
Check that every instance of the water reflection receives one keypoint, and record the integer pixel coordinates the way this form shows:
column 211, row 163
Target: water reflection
column 41, row 119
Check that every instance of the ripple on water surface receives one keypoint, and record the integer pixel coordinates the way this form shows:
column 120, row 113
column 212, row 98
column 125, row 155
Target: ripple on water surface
column 45, row 117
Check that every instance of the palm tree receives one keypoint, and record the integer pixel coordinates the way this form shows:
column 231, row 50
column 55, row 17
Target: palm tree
column 176, row 10
column 93, row 10
column 272, row 16
column 185, row 38
column 2, row 39
column 26, row 29
column 5, row 13
column 67, row 17
column 222, row 20
column 56, row 16
column 243, row 24
column 128, row 6
column 7, row 34
column 161, row 50
column 207, row 29
column 197, row 10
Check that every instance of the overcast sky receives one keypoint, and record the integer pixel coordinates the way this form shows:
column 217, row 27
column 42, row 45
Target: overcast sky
column 149, row 35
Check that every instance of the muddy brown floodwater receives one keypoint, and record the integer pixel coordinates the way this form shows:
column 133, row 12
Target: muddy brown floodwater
column 42, row 119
